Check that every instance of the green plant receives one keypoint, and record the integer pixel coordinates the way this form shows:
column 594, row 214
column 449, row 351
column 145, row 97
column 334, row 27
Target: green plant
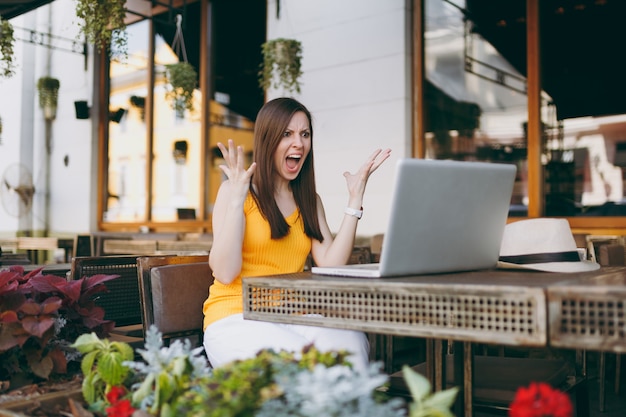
column 166, row 373
column 425, row 403
column 276, row 384
column 7, row 41
column 102, row 367
column 48, row 89
column 182, row 79
column 40, row 315
column 102, row 23
column 282, row 64
column 177, row 380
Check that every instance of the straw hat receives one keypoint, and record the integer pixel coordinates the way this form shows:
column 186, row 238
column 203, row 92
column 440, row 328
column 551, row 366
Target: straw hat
column 543, row 245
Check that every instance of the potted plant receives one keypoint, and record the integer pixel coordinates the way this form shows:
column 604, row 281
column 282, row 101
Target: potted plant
column 7, row 41
column 102, row 23
column 176, row 380
column 40, row 316
column 282, row 64
column 182, row 79
column 48, row 89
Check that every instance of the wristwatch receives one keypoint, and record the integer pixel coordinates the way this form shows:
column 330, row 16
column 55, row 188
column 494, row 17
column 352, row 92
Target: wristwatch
column 352, row 212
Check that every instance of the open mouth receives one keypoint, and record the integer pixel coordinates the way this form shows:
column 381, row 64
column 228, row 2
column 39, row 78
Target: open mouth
column 293, row 162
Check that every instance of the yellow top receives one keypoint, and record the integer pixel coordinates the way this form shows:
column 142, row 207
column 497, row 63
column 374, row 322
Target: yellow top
column 261, row 255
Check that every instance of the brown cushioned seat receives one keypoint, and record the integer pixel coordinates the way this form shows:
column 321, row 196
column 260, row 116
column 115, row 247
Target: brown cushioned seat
column 175, row 298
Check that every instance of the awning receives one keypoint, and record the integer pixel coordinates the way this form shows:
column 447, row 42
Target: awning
column 13, row 8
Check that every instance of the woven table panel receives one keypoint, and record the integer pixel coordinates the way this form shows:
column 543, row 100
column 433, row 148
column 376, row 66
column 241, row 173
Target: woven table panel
column 504, row 315
column 590, row 313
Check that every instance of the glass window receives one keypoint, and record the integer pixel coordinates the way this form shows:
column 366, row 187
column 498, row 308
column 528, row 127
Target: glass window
column 476, row 105
column 126, row 188
column 475, row 101
column 176, row 167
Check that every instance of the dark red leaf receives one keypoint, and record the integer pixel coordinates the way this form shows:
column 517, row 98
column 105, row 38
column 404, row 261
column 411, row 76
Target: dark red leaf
column 59, row 361
column 51, row 305
column 8, row 287
column 30, row 308
column 94, row 280
column 37, row 325
column 32, row 273
column 7, row 276
column 8, row 317
column 48, row 283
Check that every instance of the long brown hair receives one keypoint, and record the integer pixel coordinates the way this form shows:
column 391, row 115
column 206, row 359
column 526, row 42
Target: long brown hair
column 271, row 122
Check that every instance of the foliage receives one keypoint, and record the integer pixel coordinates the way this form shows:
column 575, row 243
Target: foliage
column 39, row 317
column 540, row 400
column 7, row 41
column 102, row 366
column 424, row 403
column 282, row 384
column 48, row 89
column 102, row 23
column 166, row 373
column 177, row 380
column 182, row 79
column 282, row 64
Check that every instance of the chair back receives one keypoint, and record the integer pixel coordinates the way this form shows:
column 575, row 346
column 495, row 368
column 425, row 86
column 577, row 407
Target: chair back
column 122, row 301
column 173, row 289
column 612, row 254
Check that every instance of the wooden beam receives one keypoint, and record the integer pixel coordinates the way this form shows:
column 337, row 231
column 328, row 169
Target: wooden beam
column 418, row 143
column 535, row 142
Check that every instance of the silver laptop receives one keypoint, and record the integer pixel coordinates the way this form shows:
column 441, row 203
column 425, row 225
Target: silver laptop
column 446, row 216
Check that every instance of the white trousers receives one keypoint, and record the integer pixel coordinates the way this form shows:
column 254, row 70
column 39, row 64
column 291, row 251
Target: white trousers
column 235, row 338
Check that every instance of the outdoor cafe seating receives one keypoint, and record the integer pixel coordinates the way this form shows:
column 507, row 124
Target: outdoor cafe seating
column 166, row 290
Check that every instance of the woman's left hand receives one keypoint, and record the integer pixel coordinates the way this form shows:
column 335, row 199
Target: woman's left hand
column 357, row 182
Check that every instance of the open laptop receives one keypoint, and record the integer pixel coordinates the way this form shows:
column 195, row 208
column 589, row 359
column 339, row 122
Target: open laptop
column 446, row 216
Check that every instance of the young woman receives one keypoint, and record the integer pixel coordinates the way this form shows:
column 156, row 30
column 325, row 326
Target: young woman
column 266, row 220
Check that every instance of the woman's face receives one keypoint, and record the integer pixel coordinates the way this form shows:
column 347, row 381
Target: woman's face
column 293, row 148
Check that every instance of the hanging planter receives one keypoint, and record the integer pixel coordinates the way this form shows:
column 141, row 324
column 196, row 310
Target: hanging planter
column 282, row 65
column 102, row 23
column 182, row 80
column 7, row 40
column 48, row 89
column 182, row 76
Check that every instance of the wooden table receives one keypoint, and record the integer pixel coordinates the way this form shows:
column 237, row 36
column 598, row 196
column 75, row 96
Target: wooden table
column 589, row 313
column 493, row 306
column 34, row 245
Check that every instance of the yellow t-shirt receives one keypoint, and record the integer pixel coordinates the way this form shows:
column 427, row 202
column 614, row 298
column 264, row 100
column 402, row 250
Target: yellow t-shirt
column 261, row 255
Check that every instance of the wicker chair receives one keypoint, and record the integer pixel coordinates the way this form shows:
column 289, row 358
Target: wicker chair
column 122, row 302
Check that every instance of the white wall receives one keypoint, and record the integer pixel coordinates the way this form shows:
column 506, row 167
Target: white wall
column 72, row 206
column 356, row 84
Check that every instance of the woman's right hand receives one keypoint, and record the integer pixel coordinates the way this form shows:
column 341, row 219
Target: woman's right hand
column 234, row 169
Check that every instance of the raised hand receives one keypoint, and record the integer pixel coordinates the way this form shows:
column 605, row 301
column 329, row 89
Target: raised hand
column 234, row 168
column 357, row 182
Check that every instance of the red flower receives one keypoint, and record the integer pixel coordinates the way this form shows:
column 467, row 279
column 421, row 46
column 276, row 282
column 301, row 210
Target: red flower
column 540, row 400
column 115, row 394
column 120, row 409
